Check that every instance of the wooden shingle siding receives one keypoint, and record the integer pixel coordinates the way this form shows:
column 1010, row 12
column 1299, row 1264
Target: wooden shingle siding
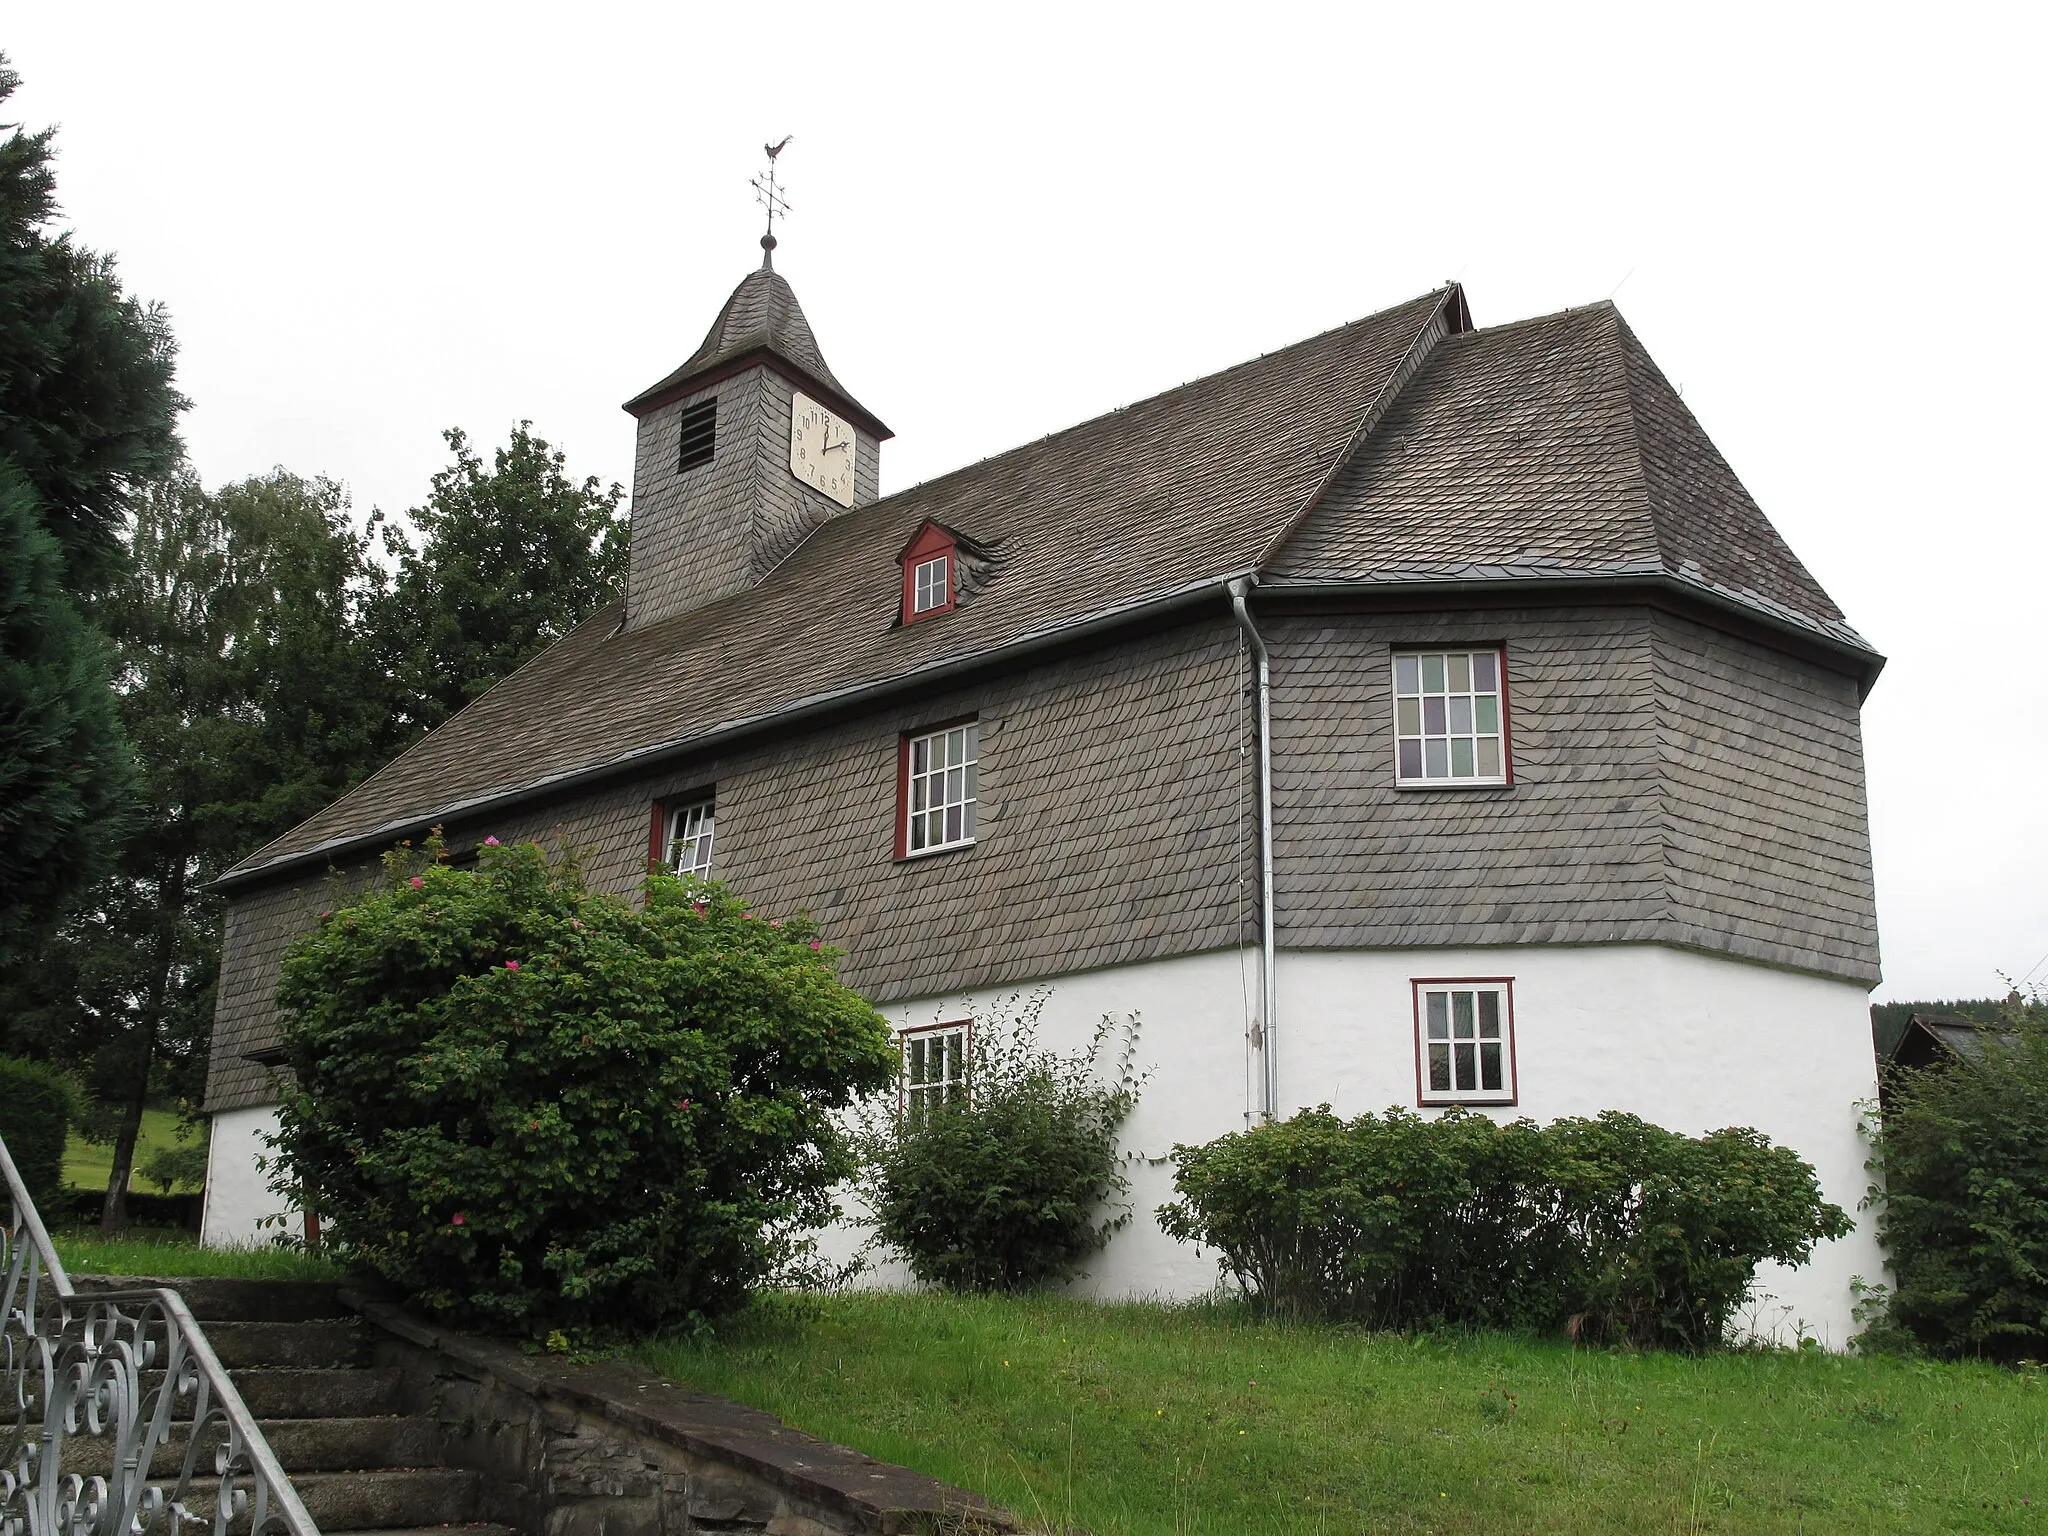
column 1568, row 854
column 1764, row 812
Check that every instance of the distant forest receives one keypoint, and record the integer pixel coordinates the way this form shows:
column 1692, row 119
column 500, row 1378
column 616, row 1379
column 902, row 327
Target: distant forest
column 1888, row 1020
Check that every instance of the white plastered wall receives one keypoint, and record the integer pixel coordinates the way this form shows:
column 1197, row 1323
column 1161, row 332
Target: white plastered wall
column 1687, row 1041
column 1690, row 1042
column 238, row 1192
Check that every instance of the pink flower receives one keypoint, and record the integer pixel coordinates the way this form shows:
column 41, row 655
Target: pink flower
column 418, row 884
column 490, row 842
column 697, row 907
column 682, row 1103
column 816, row 945
column 455, row 1220
column 774, row 922
column 511, row 965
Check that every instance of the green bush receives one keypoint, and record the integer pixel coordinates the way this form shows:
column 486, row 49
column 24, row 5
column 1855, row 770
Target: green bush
column 1962, row 1153
column 37, row 1105
column 1002, row 1187
column 534, row 1107
column 1610, row 1228
column 168, row 1167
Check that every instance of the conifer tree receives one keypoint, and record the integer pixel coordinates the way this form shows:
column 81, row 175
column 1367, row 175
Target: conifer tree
column 65, row 770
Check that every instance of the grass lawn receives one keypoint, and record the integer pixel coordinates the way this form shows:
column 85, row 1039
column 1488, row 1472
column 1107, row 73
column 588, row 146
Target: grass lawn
column 1134, row 1420
column 90, row 1254
column 89, row 1167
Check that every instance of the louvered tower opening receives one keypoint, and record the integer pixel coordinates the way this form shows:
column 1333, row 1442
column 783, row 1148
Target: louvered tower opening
column 699, row 426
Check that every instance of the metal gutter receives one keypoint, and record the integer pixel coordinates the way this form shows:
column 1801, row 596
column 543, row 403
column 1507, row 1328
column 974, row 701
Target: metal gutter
column 725, row 734
column 1269, row 987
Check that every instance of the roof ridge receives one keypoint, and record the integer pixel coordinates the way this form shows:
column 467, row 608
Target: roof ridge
column 1432, row 333
column 1618, row 354
column 1144, row 400
column 1728, row 512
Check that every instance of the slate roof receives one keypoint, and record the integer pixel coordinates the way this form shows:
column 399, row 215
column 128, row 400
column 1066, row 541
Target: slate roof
column 1547, row 447
column 1170, row 493
column 1550, row 447
column 761, row 316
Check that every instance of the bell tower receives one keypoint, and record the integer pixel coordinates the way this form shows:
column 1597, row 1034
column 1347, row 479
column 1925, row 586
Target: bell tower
column 744, row 449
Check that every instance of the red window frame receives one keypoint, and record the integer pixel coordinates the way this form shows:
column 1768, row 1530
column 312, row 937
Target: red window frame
column 1507, row 727
column 657, row 827
column 1424, row 1098
column 903, row 741
column 929, row 543
column 966, row 1028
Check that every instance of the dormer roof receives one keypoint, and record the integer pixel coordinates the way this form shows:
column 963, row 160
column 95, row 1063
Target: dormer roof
column 761, row 320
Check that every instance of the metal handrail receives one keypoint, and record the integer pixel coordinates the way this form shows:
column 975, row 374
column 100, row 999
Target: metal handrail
column 74, row 1367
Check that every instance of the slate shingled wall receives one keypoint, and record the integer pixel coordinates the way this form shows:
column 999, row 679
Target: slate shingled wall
column 1765, row 822
column 1113, row 792
column 1568, row 854
column 1672, row 784
column 705, row 533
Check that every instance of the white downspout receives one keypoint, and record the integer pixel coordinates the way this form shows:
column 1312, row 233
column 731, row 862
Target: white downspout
column 1269, row 990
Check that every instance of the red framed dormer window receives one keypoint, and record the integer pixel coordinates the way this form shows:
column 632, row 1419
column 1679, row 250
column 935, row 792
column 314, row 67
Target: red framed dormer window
column 931, row 574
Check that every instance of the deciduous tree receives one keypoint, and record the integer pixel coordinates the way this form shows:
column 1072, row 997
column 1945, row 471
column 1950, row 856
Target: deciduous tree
column 511, row 556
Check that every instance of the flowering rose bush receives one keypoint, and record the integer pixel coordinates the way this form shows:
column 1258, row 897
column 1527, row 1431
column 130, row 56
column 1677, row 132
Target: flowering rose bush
column 531, row 1106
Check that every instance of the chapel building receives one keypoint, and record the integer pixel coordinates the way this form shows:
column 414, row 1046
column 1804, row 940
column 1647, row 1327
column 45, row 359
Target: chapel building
column 1419, row 714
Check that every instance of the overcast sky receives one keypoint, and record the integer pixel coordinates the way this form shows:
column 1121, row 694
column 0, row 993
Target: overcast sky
column 370, row 223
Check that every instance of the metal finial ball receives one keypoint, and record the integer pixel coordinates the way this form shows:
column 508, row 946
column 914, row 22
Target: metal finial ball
column 768, row 242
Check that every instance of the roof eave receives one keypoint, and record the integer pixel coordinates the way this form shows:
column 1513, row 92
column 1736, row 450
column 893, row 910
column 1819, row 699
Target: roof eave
column 1855, row 657
column 677, row 385
column 728, row 733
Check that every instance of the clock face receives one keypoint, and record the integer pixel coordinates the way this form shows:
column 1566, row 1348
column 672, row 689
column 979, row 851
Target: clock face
column 821, row 449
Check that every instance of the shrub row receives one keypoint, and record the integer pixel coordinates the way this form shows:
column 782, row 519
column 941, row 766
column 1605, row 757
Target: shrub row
column 1962, row 1153
column 37, row 1105
column 1611, row 1229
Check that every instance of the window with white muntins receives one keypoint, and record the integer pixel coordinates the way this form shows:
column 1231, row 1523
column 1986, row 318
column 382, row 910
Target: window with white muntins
column 941, row 771
column 1450, row 718
column 689, row 838
column 1465, row 1042
column 931, row 586
column 934, row 1068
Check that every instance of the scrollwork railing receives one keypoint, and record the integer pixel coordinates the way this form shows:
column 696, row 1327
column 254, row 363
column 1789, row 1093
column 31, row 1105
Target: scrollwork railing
column 102, row 1388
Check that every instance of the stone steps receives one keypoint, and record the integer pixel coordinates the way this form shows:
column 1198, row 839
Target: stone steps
column 301, row 1361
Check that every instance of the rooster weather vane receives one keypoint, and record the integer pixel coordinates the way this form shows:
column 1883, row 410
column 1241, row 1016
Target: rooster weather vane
column 768, row 192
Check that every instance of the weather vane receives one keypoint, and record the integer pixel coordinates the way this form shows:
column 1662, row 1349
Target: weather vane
column 768, row 191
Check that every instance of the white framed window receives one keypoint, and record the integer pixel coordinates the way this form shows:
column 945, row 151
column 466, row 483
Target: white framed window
column 1465, row 1041
column 1450, row 717
column 941, row 770
column 689, row 837
column 931, row 584
column 934, row 1068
